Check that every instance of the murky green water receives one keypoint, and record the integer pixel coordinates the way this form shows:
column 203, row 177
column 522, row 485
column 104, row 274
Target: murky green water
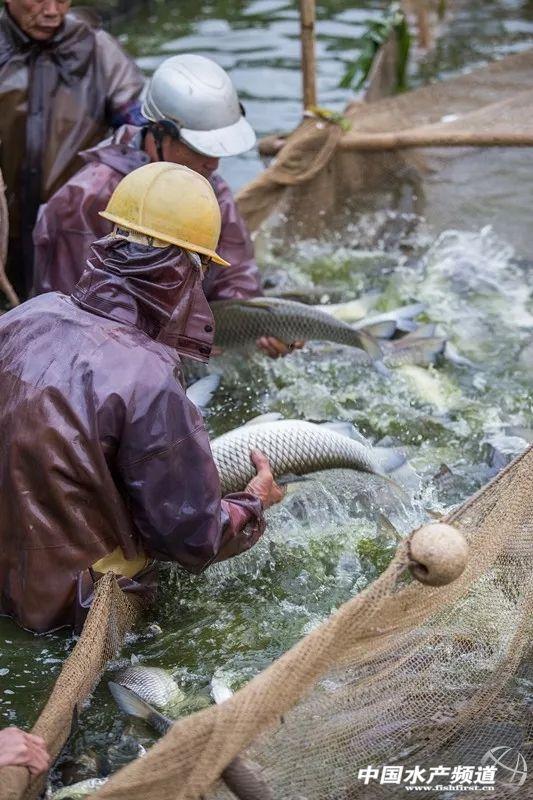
column 325, row 542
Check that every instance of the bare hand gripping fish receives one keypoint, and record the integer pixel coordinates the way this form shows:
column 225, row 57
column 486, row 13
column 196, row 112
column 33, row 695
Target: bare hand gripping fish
column 242, row 322
column 294, row 447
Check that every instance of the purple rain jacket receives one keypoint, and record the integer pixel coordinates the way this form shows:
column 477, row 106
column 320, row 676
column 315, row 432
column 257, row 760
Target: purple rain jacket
column 69, row 223
column 56, row 98
column 99, row 445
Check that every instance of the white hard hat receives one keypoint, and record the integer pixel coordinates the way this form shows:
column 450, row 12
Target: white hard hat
column 199, row 98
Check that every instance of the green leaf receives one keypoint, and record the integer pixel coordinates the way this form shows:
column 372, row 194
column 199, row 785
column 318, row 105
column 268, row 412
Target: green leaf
column 374, row 37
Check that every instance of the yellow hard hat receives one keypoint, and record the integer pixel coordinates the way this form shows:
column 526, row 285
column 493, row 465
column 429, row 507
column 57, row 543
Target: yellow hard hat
column 169, row 202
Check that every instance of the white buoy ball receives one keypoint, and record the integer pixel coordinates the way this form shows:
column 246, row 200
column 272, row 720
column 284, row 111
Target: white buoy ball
column 439, row 554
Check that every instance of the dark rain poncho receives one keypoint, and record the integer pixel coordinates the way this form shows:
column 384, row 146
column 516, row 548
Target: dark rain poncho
column 99, row 445
column 56, row 98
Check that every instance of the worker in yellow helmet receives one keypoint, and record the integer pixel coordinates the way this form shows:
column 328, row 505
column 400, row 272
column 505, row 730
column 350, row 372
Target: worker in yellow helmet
column 104, row 462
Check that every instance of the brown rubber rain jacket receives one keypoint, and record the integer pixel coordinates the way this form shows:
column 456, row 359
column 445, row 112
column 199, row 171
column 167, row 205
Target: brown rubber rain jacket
column 56, row 98
column 70, row 222
column 99, row 445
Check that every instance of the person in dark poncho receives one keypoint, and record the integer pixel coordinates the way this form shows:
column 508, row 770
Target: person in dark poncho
column 63, row 84
column 105, row 464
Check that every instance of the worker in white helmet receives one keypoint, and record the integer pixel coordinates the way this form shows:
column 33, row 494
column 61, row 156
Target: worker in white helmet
column 194, row 118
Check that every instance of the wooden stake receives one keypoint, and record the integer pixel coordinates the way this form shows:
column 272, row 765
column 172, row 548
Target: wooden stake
column 307, row 32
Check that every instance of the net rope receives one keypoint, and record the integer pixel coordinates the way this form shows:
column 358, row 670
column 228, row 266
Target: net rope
column 112, row 614
column 427, row 675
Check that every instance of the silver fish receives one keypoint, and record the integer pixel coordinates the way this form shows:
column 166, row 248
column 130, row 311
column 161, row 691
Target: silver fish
column 416, row 351
column 294, row 447
column 77, row 790
column 154, row 684
column 241, row 776
column 242, row 322
column 201, row 391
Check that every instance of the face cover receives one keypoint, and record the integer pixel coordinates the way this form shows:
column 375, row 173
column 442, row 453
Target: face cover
column 191, row 326
column 158, row 289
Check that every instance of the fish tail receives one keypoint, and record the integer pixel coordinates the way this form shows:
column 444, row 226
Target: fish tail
column 389, row 460
column 368, row 343
column 384, row 329
column 130, row 703
column 392, row 465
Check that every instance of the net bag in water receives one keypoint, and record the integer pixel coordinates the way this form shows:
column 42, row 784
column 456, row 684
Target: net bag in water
column 324, row 173
column 403, row 675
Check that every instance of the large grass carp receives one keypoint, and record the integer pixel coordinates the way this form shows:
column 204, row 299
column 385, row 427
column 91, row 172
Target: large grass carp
column 241, row 776
column 154, row 684
column 242, row 322
column 294, row 447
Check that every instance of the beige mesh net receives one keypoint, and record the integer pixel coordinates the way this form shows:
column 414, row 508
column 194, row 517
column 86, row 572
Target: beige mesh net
column 402, row 674
column 111, row 615
column 322, row 171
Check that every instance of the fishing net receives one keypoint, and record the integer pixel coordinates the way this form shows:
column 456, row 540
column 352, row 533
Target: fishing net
column 324, row 172
column 402, row 675
column 112, row 614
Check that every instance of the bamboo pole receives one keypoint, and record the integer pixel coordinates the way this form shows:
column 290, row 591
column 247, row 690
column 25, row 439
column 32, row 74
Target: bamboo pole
column 307, row 33
column 436, row 138
column 477, row 128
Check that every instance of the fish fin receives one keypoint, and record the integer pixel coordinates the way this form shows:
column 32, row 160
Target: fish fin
column 406, row 325
column 394, row 467
column 267, row 303
column 384, row 329
column 385, row 526
column 407, row 478
column 347, row 429
column 381, row 369
column 389, row 459
column 201, row 392
column 455, row 357
column 270, row 416
column 369, row 345
column 129, row 702
column 425, row 331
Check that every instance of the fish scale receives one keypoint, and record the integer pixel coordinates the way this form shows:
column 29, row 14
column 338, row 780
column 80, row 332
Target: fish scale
column 291, row 446
column 242, row 322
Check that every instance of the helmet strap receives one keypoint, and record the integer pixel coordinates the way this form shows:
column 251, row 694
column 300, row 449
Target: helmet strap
column 161, row 129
